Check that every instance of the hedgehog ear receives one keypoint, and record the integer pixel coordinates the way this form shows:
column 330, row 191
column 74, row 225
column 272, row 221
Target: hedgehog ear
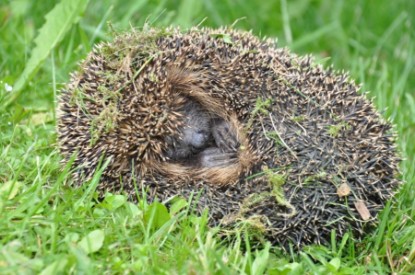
column 194, row 86
column 182, row 78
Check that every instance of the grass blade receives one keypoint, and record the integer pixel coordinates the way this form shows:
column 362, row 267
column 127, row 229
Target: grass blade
column 58, row 22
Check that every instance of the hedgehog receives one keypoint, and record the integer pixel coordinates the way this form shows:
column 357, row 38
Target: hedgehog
column 273, row 141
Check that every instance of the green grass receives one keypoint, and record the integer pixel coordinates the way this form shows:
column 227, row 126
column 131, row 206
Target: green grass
column 48, row 227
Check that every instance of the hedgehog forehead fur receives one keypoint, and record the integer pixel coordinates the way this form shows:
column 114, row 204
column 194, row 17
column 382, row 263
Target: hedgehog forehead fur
column 315, row 156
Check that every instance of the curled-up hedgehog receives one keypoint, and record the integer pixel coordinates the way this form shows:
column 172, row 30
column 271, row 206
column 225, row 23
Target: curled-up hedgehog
column 267, row 138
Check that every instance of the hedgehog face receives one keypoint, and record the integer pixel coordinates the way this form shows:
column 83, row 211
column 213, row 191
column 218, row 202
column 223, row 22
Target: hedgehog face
column 197, row 136
column 204, row 141
column 197, row 128
column 193, row 135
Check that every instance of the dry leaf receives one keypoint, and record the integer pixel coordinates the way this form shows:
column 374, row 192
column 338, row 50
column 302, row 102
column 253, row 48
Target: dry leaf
column 362, row 209
column 343, row 190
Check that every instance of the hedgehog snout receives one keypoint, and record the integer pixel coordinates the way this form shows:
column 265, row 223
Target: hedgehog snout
column 198, row 138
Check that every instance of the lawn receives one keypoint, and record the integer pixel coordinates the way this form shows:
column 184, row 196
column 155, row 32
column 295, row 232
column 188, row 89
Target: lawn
column 49, row 227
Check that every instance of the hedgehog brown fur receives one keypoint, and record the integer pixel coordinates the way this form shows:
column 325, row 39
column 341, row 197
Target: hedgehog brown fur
column 314, row 157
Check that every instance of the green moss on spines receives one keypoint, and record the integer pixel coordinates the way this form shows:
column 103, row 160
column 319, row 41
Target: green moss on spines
column 261, row 107
column 103, row 123
column 137, row 44
column 315, row 178
column 299, row 119
column 335, row 129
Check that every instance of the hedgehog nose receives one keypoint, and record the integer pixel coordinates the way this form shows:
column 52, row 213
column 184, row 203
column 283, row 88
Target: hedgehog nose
column 200, row 139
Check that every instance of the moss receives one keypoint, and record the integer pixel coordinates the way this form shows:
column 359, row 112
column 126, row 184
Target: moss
column 261, row 107
column 104, row 123
column 276, row 180
column 153, row 77
column 334, row 130
column 110, row 77
column 106, row 120
column 254, row 225
column 253, row 200
column 275, row 137
column 137, row 43
column 298, row 118
column 315, row 177
column 107, row 94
